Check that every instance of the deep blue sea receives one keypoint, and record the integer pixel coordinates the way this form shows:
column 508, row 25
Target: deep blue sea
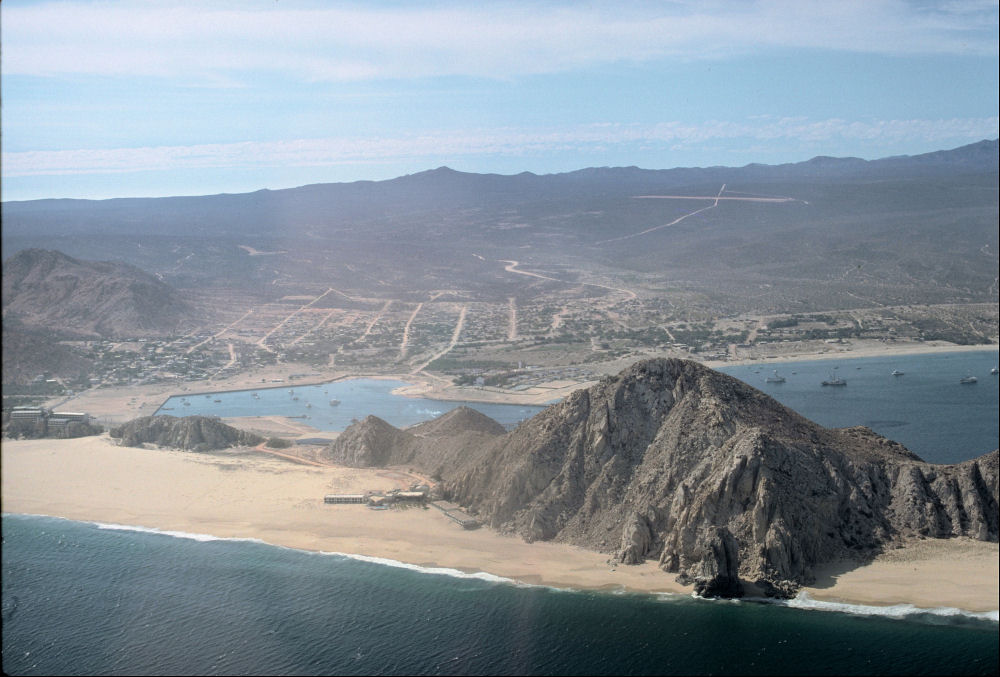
column 82, row 598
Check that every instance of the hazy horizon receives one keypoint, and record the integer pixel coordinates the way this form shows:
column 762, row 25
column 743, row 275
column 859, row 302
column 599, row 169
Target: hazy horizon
column 124, row 100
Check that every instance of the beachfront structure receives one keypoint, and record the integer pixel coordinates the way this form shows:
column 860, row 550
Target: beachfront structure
column 345, row 498
column 78, row 416
column 29, row 413
column 453, row 512
column 463, row 519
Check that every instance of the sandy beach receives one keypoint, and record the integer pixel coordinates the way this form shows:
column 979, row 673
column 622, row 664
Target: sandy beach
column 243, row 494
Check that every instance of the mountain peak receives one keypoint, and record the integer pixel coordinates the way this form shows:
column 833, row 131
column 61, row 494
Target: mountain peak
column 717, row 481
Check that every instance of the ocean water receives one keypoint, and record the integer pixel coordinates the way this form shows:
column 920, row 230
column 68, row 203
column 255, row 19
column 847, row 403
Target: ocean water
column 927, row 409
column 81, row 598
column 358, row 398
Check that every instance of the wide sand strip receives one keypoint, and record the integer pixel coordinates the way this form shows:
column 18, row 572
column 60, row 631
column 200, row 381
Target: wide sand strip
column 237, row 495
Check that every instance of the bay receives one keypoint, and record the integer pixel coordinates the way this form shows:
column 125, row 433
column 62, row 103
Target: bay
column 926, row 409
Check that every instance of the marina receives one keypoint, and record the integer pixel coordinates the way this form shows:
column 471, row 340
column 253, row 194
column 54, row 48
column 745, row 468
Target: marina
column 345, row 401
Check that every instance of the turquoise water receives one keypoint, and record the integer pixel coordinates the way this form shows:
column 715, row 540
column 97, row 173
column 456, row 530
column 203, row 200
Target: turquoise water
column 358, row 398
column 81, row 599
column 926, row 409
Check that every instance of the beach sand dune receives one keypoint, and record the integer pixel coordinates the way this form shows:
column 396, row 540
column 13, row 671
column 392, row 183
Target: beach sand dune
column 236, row 494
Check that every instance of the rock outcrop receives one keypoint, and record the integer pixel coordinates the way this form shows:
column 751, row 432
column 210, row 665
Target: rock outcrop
column 191, row 433
column 716, row 480
column 437, row 447
column 371, row 442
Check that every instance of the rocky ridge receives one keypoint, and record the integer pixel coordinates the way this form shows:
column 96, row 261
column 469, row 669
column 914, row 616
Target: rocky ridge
column 717, row 481
column 191, row 433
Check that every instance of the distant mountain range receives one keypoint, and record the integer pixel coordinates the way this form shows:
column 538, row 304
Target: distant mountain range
column 336, row 203
column 812, row 235
column 45, row 289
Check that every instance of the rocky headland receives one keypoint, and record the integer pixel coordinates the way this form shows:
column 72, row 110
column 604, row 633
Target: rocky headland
column 718, row 482
column 190, row 433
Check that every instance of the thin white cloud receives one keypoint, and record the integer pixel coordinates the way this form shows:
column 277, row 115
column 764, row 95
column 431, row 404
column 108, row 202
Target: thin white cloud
column 354, row 42
column 447, row 145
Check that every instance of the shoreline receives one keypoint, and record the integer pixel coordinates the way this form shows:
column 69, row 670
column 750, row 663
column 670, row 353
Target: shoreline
column 808, row 598
column 240, row 495
column 120, row 404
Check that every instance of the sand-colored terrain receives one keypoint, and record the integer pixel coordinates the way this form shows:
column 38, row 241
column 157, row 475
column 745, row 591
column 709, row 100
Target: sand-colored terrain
column 242, row 494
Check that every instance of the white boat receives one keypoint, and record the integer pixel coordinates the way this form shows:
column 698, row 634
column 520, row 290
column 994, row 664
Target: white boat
column 897, row 372
column 834, row 381
column 994, row 371
column 777, row 378
column 334, row 403
column 969, row 378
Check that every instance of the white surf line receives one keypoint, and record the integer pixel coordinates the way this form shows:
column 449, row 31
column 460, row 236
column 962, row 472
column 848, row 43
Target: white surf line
column 404, row 347
column 512, row 329
column 266, row 336
column 672, row 223
column 451, row 344
column 378, row 316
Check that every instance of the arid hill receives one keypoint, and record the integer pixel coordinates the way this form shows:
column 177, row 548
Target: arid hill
column 714, row 479
column 717, row 481
column 191, row 433
column 47, row 289
column 436, row 446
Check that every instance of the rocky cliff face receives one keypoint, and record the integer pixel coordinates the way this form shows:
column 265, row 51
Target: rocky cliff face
column 192, row 433
column 716, row 480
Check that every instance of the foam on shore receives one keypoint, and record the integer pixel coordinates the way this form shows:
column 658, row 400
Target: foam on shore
column 942, row 615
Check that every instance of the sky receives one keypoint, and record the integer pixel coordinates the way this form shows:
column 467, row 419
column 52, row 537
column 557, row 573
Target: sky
column 125, row 99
